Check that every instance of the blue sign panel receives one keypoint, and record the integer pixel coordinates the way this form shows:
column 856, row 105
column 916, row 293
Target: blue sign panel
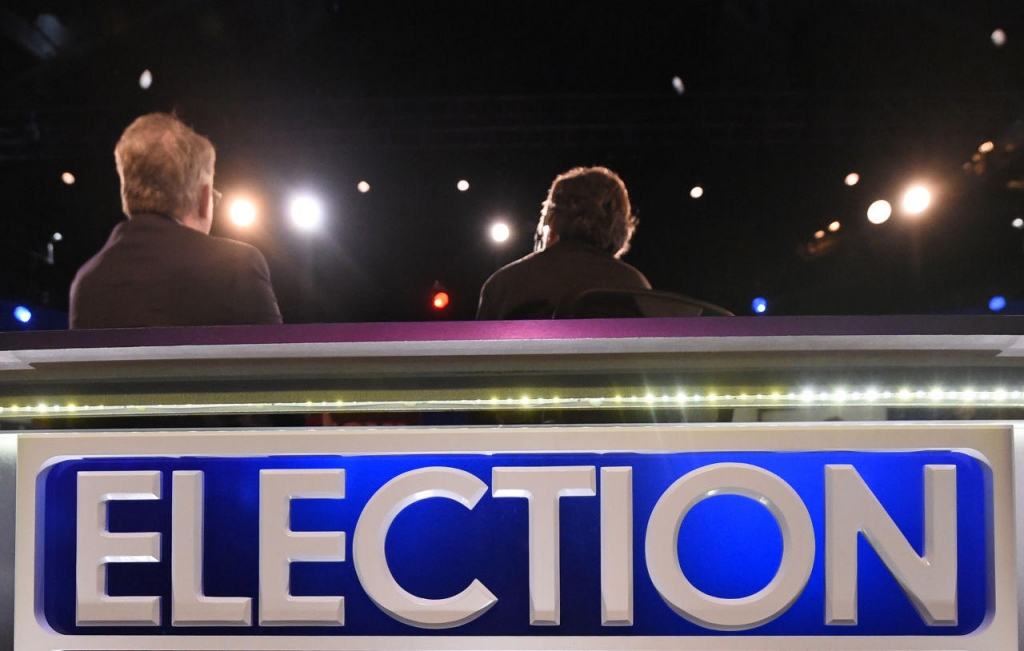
column 729, row 545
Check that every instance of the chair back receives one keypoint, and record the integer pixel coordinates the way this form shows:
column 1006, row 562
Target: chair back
column 608, row 303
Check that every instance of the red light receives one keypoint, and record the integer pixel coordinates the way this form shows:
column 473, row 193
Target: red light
column 441, row 300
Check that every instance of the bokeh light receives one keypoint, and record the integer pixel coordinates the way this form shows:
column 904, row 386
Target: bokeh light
column 68, row 178
column 306, row 213
column 986, row 146
column 363, row 187
column 834, row 226
column 997, row 303
column 242, row 212
column 1018, row 223
column 500, row 232
column 697, row 192
column 22, row 314
column 462, row 185
column 852, row 179
column 759, row 305
column 145, row 80
column 441, row 300
column 819, row 235
column 879, row 212
column 57, row 237
column 677, row 83
column 999, row 38
column 916, row 200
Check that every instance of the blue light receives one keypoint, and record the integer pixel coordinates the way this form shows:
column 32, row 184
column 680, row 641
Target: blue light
column 759, row 305
column 23, row 314
column 997, row 303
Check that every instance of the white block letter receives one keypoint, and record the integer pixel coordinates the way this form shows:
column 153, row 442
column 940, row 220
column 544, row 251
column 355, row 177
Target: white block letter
column 543, row 487
column 97, row 547
column 189, row 606
column 280, row 547
column 617, row 546
column 662, row 546
column 929, row 582
column 372, row 565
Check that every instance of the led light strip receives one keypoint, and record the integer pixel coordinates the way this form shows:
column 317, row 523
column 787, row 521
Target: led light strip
column 902, row 397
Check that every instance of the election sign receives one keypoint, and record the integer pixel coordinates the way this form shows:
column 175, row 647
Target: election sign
column 640, row 537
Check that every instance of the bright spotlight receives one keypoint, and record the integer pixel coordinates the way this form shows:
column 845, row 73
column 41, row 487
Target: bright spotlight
column 759, row 305
column 462, row 185
column 834, row 226
column 440, row 300
column 23, row 314
column 999, row 38
column 997, row 303
column 145, row 80
column 57, row 237
column 879, row 212
column 819, row 235
column 306, row 213
column 677, row 83
column 916, row 200
column 697, row 192
column 852, row 179
column 242, row 212
column 363, row 187
column 500, row 232
column 68, row 178
column 1018, row 223
column 986, row 146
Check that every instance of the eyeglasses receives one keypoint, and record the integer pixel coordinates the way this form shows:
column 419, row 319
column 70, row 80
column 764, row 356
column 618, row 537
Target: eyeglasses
column 217, row 195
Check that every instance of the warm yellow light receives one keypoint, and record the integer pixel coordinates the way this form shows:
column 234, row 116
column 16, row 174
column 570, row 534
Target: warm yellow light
column 363, row 187
column 834, row 226
column 986, row 147
column 68, row 178
column 879, row 212
column 852, row 179
column 462, row 185
column 242, row 212
column 697, row 192
column 916, row 200
column 819, row 234
column 500, row 232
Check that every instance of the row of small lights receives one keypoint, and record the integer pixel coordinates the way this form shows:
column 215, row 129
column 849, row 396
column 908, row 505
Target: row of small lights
column 809, row 396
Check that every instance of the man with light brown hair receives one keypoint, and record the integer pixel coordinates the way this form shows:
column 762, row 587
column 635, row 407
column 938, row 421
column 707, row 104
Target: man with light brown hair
column 585, row 226
column 161, row 267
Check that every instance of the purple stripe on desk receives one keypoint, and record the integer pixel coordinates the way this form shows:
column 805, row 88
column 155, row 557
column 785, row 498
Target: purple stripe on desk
column 517, row 330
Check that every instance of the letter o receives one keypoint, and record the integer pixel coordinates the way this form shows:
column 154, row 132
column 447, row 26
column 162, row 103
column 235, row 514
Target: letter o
column 662, row 545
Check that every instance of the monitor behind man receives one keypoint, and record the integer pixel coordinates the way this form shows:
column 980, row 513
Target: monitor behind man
column 161, row 267
column 585, row 226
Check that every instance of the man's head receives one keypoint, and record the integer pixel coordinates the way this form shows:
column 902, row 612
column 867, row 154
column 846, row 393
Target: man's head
column 589, row 205
column 166, row 168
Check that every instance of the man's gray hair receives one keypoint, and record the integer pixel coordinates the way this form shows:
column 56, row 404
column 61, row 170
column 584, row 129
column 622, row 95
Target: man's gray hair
column 163, row 165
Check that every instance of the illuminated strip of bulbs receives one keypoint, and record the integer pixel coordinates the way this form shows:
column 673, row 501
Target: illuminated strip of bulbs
column 901, row 397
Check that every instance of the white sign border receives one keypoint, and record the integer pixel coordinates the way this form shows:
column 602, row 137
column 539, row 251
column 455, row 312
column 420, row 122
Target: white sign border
column 991, row 442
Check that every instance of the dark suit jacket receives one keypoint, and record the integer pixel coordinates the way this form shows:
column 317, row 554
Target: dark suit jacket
column 532, row 287
column 153, row 271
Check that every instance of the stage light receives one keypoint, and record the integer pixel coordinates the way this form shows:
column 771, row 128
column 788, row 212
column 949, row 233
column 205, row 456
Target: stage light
column 68, row 178
column 23, row 314
column 997, row 303
column 462, row 185
column 57, row 237
column 852, row 179
column 986, row 147
column 999, row 38
column 759, row 305
column 677, row 83
column 834, row 226
column 242, row 212
column 916, row 200
column 1018, row 223
column 500, row 232
column 440, row 300
column 697, row 192
column 363, row 187
column 306, row 213
column 145, row 80
column 879, row 212
column 819, row 234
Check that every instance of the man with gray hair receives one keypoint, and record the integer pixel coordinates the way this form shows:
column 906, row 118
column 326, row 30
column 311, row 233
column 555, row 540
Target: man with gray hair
column 161, row 267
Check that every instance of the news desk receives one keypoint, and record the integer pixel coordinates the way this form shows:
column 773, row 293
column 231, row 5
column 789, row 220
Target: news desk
column 714, row 483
